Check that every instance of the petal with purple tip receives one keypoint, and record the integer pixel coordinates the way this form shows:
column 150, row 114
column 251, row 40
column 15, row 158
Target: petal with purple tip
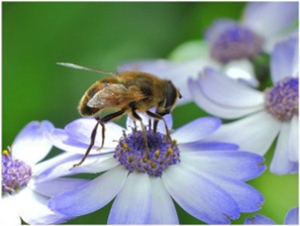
column 238, row 165
column 191, row 191
column 90, row 196
column 31, row 144
column 196, row 130
column 292, row 217
column 133, row 203
column 259, row 219
column 216, row 109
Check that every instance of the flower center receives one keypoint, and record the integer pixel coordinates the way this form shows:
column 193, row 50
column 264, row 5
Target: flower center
column 15, row 173
column 281, row 100
column 236, row 43
column 133, row 154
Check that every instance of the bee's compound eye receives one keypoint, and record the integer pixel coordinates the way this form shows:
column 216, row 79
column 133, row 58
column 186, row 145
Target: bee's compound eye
column 171, row 96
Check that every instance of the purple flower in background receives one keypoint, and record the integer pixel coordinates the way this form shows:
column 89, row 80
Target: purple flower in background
column 292, row 217
column 265, row 114
column 207, row 179
column 262, row 25
column 21, row 196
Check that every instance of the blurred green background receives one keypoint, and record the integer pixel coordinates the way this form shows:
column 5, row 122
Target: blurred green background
column 103, row 35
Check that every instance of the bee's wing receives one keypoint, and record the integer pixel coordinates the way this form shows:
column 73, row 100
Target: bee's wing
column 113, row 95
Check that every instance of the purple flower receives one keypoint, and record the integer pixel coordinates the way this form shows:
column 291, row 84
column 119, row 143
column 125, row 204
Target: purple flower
column 260, row 28
column 207, row 179
column 264, row 115
column 21, row 195
column 292, row 217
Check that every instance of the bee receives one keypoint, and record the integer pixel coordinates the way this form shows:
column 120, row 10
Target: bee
column 128, row 92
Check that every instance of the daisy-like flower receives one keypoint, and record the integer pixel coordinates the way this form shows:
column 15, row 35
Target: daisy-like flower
column 21, row 196
column 268, row 113
column 207, row 179
column 229, row 46
column 292, row 217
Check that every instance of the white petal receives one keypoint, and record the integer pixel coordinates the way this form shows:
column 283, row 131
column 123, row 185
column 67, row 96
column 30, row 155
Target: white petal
column 81, row 129
column 145, row 118
column 133, row 203
column 294, row 140
column 92, row 195
column 34, row 210
column 238, row 165
column 31, row 144
column 226, row 91
column 284, row 60
column 162, row 207
column 280, row 163
column 92, row 164
column 254, row 133
column 219, row 110
column 271, row 23
column 198, row 196
column 46, row 165
column 63, row 141
column 196, row 130
column 56, row 186
column 243, row 71
column 9, row 211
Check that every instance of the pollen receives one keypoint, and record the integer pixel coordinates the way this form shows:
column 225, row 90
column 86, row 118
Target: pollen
column 156, row 153
column 281, row 100
column 15, row 173
column 161, row 153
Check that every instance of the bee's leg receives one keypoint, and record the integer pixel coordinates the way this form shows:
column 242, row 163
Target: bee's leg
column 157, row 117
column 137, row 117
column 93, row 136
column 105, row 119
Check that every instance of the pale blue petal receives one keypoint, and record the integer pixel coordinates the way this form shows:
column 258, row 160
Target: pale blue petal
column 238, row 165
column 63, row 141
column 280, row 163
column 220, row 110
column 247, row 198
column 196, row 130
column 284, row 60
column 133, row 203
column 226, row 91
column 292, row 217
column 162, row 207
column 199, row 197
column 92, row 164
column 259, row 219
column 34, row 210
column 254, row 133
column 56, row 186
column 31, row 145
column 293, row 145
column 211, row 146
column 81, row 129
column 272, row 23
column 90, row 196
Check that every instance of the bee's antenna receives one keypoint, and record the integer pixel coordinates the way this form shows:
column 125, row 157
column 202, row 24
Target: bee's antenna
column 76, row 66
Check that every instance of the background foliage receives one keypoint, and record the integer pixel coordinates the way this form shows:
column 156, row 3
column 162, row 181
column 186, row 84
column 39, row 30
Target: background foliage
column 103, row 35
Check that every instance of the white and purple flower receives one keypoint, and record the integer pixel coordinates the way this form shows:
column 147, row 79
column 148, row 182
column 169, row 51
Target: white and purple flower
column 22, row 197
column 292, row 217
column 264, row 115
column 207, row 179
